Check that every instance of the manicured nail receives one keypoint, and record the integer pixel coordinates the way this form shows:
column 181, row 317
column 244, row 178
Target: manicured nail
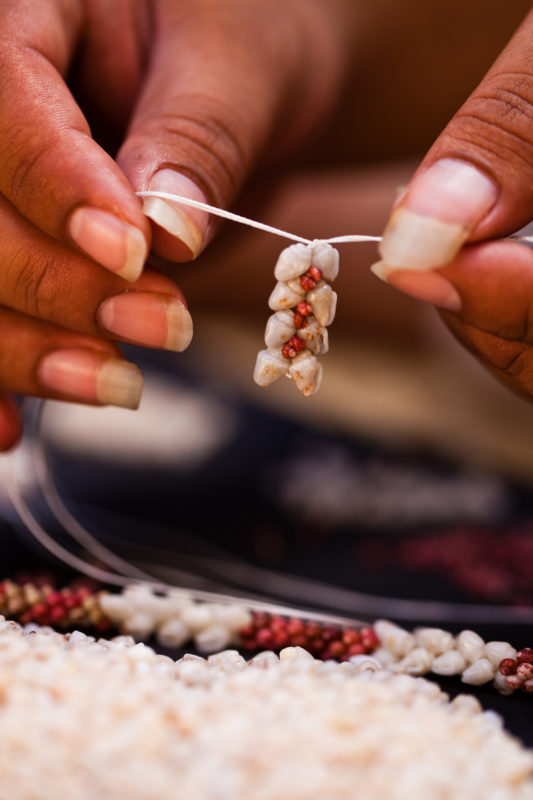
column 435, row 217
column 116, row 245
column 147, row 318
column 186, row 224
column 432, row 287
column 88, row 376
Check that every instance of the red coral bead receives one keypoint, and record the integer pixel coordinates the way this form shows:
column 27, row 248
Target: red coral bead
column 336, row 649
column 287, row 351
column 295, row 627
column 297, row 343
column 525, row 670
column 304, row 309
column 315, row 273
column 507, row 666
column 369, row 638
column 307, row 283
column 350, row 636
column 528, row 686
column 264, row 637
column 357, row 649
column 525, row 656
column 299, row 321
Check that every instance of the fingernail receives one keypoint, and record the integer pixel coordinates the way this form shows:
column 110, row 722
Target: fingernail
column 91, row 377
column 147, row 318
column 186, row 224
column 432, row 287
column 115, row 244
column 435, row 217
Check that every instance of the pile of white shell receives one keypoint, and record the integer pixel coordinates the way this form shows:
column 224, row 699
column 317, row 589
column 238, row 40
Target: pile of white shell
column 304, row 369
column 85, row 719
column 438, row 651
column 174, row 619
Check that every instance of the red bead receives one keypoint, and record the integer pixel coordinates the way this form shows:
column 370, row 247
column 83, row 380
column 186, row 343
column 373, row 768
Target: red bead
column 304, row 309
column 316, row 645
column 312, row 630
column 329, row 633
column 260, row 619
column 357, row 649
column 295, row 627
column 247, row 631
column 280, row 639
column 264, row 637
column 525, row 656
column 287, row 351
column 38, row 611
column 298, row 641
column 297, row 343
column 507, row 666
column 57, row 613
column 528, row 686
column 70, row 601
column 350, row 636
column 336, row 649
column 307, row 283
column 299, row 321
column 525, row 671
column 315, row 273
column 52, row 598
column 369, row 639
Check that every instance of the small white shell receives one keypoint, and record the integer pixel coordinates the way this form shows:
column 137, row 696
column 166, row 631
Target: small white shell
column 326, row 258
column 450, row 663
column 269, row 366
column 481, row 671
column 279, row 328
column 293, row 262
column 436, row 640
column 306, row 373
column 323, row 301
column 496, row 651
column 173, row 633
column 417, row 662
column 500, row 683
column 212, row 639
column 466, row 704
column 471, row 645
column 397, row 640
column 284, row 297
column 315, row 337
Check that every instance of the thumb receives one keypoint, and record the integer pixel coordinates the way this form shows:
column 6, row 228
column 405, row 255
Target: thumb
column 476, row 182
column 222, row 78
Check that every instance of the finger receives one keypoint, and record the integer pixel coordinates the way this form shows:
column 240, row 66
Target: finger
column 475, row 182
column 50, row 167
column 491, row 285
column 218, row 85
column 43, row 279
column 10, row 422
column 44, row 360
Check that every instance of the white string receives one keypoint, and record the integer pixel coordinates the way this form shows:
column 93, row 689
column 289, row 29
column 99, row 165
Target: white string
column 252, row 223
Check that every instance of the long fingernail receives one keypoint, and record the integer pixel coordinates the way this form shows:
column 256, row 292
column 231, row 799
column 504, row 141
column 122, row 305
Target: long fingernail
column 429, row 286
column 147, row 318
column 115, row 244
column 436, row 215
column 88, row 376
column 186, row 224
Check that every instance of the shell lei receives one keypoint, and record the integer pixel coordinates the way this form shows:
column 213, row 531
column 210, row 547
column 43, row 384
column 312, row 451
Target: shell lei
column 304, row 304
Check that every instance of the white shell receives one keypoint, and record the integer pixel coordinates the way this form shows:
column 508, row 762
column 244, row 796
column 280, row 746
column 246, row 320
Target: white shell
column 315, row 337
column 417, row 662
column 293, row 262
column 496, row 651
column 326, row 258
column 397, row 640
column 481, row 671
column 323, row 301
column 269, row 366
column 283, row 297
column 436, row 640
column 471, row 645
column 306, row 373
column 279, row 328
column 450, row 663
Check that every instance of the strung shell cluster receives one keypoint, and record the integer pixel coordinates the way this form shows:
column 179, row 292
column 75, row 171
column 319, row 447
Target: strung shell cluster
column 304, row 305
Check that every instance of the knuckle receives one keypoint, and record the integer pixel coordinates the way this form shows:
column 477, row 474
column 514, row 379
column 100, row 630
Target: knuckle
column 206, row 141
column 498, row 118
column 32, row 286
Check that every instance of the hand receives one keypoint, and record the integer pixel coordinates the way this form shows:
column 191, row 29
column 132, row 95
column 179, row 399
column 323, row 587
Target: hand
column 202, row 87
column 475, row 184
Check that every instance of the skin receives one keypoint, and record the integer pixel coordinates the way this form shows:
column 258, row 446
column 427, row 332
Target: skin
column 211, row 90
